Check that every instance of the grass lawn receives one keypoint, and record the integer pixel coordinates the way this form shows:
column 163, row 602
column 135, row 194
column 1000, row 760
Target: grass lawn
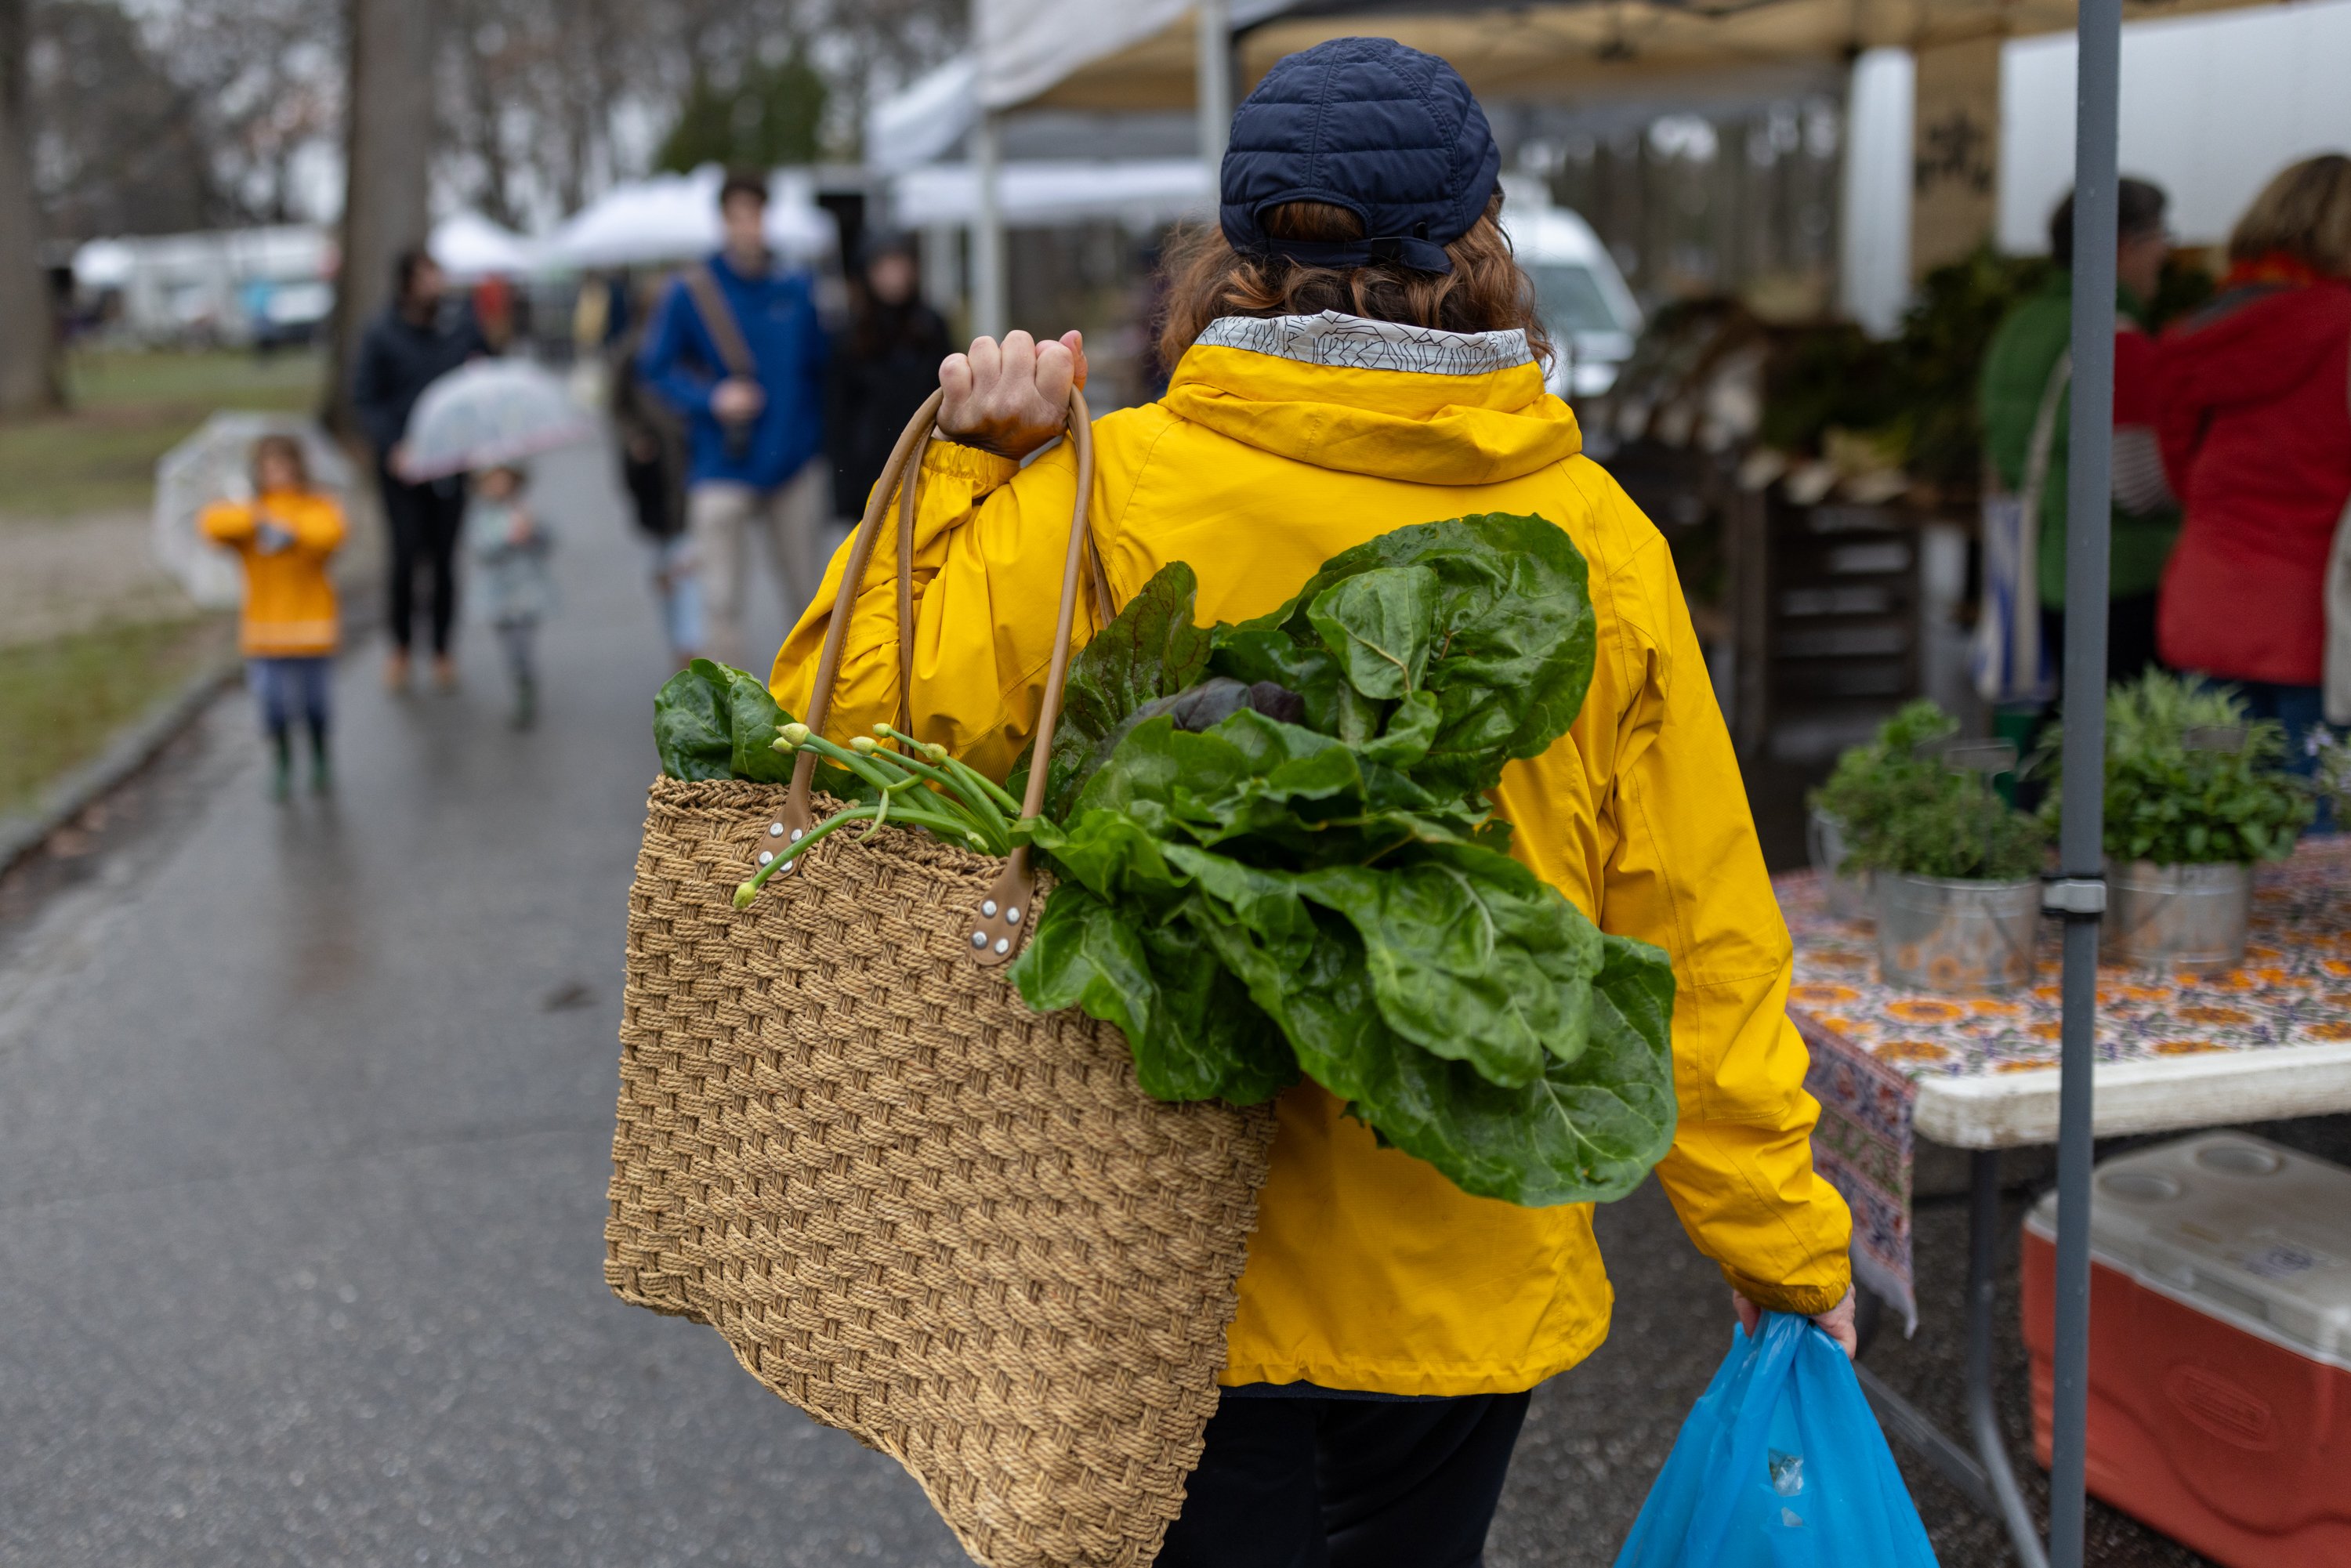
column 127, row 410
column 62, row 700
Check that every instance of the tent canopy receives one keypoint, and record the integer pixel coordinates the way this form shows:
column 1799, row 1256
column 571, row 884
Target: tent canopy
column 672, row 217
column 1143, row 193
column 469, row 247
column 1073, row 53
column 1027, row 47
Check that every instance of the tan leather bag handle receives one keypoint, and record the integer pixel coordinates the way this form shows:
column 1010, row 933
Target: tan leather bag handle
column 1005, row 916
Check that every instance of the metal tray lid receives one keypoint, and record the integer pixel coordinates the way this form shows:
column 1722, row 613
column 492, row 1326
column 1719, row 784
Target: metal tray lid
column 2235, row 1225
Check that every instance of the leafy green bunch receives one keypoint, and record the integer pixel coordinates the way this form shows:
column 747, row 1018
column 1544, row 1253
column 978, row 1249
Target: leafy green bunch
column 2191, row 780
column 1276, row 856
column 1905, row 811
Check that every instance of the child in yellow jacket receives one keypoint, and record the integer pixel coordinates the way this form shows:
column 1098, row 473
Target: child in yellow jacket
column 284, row 536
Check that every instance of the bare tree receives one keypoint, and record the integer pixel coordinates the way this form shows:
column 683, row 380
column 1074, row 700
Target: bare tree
column 28, row 355
column 268, row 79
column 387, row 161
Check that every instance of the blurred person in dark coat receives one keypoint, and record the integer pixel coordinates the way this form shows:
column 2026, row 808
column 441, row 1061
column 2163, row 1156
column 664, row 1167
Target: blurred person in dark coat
column 883, row 368
column 413, row 344
column 652, row 466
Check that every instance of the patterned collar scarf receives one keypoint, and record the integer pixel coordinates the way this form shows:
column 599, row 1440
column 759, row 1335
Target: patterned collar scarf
column 1360, row 343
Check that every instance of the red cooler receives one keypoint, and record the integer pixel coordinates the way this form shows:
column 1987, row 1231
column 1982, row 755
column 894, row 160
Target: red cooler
column 2219, row 1346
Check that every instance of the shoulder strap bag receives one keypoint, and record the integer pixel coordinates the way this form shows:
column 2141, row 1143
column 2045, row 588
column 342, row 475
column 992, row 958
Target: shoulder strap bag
column 917, row 1210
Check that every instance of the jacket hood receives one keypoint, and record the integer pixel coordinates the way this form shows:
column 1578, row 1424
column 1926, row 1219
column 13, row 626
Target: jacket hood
column 1377, row 398
column 2255, row 341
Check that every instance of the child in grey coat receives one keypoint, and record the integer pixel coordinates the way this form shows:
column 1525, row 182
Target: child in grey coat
column 510, row 547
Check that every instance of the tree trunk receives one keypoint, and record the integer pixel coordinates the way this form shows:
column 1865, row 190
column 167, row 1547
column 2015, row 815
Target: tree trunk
column 389, row 153
column 28, row 338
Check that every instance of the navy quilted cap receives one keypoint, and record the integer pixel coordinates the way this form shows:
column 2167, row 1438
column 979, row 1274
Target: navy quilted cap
column 1388, row 132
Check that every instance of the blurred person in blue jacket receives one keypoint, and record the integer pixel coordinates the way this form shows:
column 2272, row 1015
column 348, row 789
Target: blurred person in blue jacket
column 736, row 347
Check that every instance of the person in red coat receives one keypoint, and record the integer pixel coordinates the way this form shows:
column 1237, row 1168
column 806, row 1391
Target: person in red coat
column 2255, row 427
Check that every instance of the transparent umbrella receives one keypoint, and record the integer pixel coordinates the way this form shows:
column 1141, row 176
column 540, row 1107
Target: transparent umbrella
column 215, row 464
column 488, row 412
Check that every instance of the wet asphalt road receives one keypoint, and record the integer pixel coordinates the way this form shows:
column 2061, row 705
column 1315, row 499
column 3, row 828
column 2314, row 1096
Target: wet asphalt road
column 304, row 1121
column 305, row 1117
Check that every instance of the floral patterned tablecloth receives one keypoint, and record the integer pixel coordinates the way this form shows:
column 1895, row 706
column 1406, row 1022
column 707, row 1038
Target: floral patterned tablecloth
column 1872, row 1044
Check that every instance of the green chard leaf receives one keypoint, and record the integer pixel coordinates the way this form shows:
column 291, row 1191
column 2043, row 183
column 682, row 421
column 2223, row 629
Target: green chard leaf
column 1581, row 1131
column 1508, row 636
column 1193, row 1030
column 714, row 721
column 1378, row 626
column 1473, row 957
column 1150, row 650
column 694, row 725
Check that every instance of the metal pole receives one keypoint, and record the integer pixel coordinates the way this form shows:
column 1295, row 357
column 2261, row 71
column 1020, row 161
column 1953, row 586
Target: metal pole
column 1216, row 81
column 987, row 298
column 2079, row 849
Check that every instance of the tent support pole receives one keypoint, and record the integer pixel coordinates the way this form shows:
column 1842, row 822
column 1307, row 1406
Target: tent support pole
column 2089, row 518
column 1216, row 81
column 988, row 308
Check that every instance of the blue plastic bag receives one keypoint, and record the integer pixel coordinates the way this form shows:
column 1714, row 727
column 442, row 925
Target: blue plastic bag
column 1781, row 1464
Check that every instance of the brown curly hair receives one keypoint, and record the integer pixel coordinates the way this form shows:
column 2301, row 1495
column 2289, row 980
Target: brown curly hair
column 1484, row 292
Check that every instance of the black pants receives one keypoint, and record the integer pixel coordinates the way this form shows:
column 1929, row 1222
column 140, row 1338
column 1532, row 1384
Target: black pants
column 2130, row 637
column 1346, row 1483
column 425, row 520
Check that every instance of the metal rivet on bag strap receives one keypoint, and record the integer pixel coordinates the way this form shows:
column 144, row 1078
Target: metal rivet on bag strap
column 775, row 830
column 987, row 907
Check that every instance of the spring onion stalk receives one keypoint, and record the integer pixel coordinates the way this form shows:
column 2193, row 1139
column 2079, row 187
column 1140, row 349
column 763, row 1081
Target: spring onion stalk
column 980, row 802
column 957, row 803
column 943, row 827
column 972, row 778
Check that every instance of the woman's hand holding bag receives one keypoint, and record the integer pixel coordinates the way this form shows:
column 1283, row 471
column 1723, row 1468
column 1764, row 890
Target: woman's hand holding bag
column 1781, row 1464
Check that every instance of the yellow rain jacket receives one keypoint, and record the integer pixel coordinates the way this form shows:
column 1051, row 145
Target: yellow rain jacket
column 1369, row 1271
column 289, row 600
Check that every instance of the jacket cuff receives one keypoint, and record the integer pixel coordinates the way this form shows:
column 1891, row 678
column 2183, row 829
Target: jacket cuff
column 953, row 460
column 1803, row 1301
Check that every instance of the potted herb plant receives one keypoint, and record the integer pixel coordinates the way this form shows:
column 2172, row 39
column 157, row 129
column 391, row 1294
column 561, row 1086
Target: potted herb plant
column 1867, row 784
column 1955, row 870
column 2196, row 793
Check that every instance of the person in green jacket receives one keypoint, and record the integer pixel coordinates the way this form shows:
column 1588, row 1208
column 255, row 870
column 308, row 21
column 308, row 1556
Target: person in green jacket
column 2029, row 362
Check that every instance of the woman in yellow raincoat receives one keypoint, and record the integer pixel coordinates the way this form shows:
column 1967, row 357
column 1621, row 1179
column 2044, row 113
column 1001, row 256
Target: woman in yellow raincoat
column 1356, row 351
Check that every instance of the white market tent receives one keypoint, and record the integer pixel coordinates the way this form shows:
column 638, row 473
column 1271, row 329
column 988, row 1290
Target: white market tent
column 924, row 120
column 672, row 217
column 469, row 247
column 1142, row 192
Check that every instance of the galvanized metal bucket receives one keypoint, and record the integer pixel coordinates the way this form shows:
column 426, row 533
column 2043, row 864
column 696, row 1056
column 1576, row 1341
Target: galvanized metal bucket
column 1939, row 934
column 2189, row 917
column 1848, row 896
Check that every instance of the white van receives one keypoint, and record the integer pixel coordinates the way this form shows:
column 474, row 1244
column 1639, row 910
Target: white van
column 1591, row 313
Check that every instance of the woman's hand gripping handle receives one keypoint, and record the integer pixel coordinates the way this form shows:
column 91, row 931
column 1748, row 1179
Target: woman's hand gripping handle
column 1013, row 397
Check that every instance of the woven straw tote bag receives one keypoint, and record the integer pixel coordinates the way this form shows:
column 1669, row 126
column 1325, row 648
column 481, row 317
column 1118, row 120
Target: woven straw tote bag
column 952, row 1226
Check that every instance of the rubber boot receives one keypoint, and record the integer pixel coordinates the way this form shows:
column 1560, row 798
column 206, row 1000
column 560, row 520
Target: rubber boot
column 281, row 766
column 322, row 772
